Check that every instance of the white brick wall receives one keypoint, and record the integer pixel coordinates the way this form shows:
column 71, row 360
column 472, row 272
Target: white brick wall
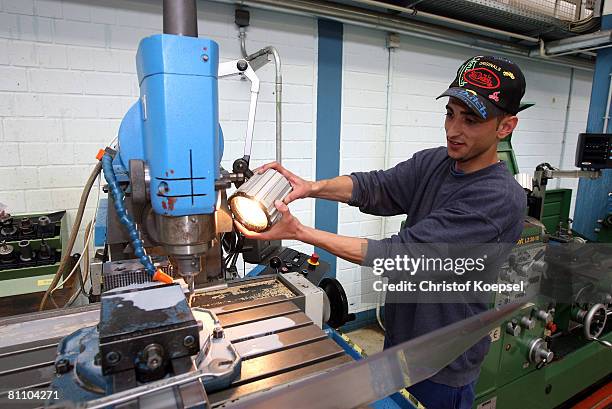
column 67, row 78
column 362, row 138
column 421, row 70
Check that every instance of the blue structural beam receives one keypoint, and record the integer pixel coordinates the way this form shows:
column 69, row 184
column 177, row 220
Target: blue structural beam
column 329, row 105
column 593, row 196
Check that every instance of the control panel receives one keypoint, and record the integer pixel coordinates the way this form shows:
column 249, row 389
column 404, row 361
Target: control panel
column 286, row 260
column 594, row 151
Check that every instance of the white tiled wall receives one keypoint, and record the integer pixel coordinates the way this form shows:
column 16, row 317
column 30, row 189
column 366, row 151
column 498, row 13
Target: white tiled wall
column 67, row 78
column 422, row 70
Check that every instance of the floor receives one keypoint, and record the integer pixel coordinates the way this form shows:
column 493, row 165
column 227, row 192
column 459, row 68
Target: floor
column 369, row 338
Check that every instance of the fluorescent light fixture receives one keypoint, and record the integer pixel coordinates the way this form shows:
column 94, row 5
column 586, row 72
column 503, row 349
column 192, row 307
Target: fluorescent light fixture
column 253, row 203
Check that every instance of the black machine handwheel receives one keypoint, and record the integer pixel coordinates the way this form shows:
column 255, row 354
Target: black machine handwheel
column 338, row 302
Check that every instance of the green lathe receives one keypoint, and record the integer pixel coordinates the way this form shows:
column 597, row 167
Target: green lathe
column 559, row 344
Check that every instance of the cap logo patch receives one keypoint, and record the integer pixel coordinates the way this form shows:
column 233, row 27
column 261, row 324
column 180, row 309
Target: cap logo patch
column 508, row 74
column 482, row 78
column 494, row 96
column 466, row 67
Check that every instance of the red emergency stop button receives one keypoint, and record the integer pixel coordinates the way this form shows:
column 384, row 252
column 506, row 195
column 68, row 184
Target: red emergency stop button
column 313, row 261
column 552, row 327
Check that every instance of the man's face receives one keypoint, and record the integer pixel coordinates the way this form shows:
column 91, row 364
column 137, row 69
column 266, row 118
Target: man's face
column 468, row 136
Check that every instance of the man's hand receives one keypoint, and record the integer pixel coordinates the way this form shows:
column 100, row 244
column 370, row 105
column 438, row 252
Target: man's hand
column 301, row 188
column 286, row 228
column 290, row 228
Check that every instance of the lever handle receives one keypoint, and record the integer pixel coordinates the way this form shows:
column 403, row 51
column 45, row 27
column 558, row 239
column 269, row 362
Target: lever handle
column 603, row 342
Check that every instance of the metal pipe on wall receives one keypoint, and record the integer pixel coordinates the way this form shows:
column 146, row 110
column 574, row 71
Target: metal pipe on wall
column 391, row 46
column 586, row 50
column 387, row 158
column 447, row 20
column 573, row 45
column 568, row 107
column 278, row 86
column 380, row 21
column 606, row 118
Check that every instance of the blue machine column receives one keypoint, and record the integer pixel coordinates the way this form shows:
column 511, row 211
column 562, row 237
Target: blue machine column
column 172, row 134
column 594, row 197
column 329, row 103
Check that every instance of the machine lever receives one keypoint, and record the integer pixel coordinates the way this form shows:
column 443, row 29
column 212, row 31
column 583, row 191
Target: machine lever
column 276, row 263
column 603, row 342
column 541, row 364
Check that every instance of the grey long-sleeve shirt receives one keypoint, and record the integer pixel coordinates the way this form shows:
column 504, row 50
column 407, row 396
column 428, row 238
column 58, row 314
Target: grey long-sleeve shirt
column 442, row 206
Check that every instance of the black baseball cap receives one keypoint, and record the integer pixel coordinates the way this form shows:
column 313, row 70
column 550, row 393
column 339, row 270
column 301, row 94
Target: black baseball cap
column 491, row 86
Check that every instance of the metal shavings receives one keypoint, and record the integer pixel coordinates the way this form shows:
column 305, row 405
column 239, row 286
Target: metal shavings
column 244, row 292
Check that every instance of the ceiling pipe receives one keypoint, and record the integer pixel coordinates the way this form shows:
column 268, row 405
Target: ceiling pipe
column 588, row 51
column 380, row 21
column 573, row 45
column 449, row 20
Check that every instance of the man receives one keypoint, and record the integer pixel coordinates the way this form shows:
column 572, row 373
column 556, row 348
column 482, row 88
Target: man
column 454, row 194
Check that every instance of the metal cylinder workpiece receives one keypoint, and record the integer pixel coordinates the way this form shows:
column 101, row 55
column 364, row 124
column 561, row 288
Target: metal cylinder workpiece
column 253, row 203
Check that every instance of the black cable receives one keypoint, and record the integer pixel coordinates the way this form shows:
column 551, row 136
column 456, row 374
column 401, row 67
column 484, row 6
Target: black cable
column 80, row 275
column 228, row 241
column 233, row 244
